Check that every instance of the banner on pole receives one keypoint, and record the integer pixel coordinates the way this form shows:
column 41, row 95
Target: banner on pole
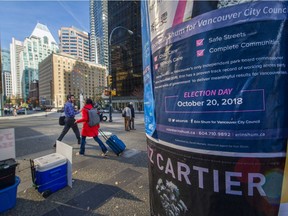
column 215, row 101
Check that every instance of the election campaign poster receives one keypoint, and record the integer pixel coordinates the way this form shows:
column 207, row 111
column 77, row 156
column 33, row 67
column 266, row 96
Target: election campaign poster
column 215, row 102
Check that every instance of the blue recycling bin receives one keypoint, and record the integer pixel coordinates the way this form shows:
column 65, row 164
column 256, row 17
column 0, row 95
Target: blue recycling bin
column 8, row 196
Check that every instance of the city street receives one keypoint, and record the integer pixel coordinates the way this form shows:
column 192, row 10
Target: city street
column 101, row 186
column 36, row 133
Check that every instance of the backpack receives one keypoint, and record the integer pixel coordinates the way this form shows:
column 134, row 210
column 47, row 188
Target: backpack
column 94, row 118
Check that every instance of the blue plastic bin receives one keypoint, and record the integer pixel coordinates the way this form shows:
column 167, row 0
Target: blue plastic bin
column 8, row 196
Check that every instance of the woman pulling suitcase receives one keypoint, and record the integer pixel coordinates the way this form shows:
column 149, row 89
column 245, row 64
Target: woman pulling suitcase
column 89, row 131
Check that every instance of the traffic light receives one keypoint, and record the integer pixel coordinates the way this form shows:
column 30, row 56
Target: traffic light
column 109, row 80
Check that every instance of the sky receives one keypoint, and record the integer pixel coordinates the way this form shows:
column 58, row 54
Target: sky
column 19, row 18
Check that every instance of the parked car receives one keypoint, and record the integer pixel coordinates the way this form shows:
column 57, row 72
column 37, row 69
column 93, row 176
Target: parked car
column 61, row 110
column 37, row 109
column 21, row 111
column 104, row 110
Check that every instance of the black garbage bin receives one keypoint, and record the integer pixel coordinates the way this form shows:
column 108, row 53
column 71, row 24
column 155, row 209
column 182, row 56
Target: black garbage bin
column 7, row 172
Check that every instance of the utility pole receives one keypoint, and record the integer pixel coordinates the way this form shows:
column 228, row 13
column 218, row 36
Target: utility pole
column 109, row 83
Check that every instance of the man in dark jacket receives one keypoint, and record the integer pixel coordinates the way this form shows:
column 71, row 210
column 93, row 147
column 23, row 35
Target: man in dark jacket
column 70, row 119
column 131, row 123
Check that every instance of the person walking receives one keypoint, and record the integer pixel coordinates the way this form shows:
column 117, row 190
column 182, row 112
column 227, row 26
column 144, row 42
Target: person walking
column 126, row 113
column 14, row 111
column 89, row 131
column 131, row 123
column 70, row 119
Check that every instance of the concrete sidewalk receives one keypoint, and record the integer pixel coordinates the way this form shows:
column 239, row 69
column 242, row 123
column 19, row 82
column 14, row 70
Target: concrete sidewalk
column 101, row 186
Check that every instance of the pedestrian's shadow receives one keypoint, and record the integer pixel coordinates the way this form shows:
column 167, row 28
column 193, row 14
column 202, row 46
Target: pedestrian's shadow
column 83, row 199
column 135, row 157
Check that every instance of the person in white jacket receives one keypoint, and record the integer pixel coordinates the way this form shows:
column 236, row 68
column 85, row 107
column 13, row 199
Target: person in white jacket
column 126, row 113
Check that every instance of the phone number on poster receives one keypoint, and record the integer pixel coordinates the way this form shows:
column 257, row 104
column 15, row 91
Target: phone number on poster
column 213, row 133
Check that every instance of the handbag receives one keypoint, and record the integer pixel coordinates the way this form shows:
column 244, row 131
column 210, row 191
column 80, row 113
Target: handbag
column 124, row 113
column 62, row 120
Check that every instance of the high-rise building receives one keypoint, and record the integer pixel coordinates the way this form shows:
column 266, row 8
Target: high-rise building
column 62, row 74
column 126, row 52
column 99, row 32
column 7, row 82
column 6, row 73
column 25, row 57
column 16, row 48
column 37, row 47
column 75, row 42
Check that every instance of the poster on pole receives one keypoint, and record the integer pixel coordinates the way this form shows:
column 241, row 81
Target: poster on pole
column 216, row 118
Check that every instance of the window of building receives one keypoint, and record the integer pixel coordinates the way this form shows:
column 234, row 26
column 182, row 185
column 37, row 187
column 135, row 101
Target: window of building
column 45, row 39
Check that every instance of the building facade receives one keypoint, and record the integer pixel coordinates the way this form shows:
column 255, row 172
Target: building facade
column 16, row 47
column 99, row 32
column 6, row 73
column 62, row 74
column 7, row 84
column 126, row 53
column 25, row 57
column 75, row 42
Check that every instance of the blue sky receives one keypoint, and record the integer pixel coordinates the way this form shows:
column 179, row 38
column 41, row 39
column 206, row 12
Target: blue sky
column 19, row 18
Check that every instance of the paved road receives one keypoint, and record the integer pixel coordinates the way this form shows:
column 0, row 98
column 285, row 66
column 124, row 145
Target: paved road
column 102, row 186
column 37, row 133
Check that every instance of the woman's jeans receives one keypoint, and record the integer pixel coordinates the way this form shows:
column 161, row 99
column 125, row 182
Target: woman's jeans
column 97, row 139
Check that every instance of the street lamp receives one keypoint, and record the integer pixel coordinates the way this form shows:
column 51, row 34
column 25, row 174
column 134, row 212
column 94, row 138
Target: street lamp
column 110, row 71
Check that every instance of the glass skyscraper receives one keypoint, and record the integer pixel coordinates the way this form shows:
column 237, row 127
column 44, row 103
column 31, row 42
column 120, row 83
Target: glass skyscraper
column 25, row 57
column 126, row 52
column 6, row 73
column 99, row 32
column 37, row 47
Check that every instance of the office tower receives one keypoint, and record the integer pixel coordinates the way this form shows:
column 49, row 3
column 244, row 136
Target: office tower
column 6, row 74
column 16, row 74
column 25, row 57
column 62, row 74
column 75, row 42
column 126, row 52
column 7, row 81
column 99, row 32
